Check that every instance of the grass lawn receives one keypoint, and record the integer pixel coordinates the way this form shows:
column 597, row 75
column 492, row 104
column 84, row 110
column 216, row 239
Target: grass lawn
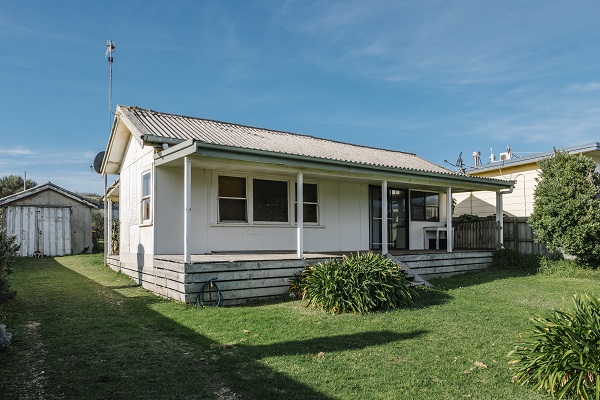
column 81, row 331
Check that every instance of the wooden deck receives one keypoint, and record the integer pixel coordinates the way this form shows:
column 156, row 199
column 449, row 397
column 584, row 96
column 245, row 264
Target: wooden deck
column 253, row 275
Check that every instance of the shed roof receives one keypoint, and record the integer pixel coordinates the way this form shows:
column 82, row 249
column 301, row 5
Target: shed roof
column 47, row 186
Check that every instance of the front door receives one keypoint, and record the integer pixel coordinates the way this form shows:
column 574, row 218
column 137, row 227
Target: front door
column 397, row 218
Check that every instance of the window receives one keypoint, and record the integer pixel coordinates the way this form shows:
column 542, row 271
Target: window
column 424, row 206
column 270, row 200
column 146, row 202
column 232, row 199
column 311, row 204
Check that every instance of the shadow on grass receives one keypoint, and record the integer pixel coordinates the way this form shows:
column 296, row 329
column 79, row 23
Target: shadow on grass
column 77, row 338
column 477, row 278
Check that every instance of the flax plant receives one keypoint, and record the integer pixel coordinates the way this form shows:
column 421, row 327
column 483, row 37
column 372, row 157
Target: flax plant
column 357, row 283
column 561, row 353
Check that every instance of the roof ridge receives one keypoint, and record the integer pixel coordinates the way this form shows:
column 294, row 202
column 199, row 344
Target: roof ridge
column 137, row 108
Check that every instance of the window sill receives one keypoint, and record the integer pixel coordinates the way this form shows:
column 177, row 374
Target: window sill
column 144, row 224
column 246, row 225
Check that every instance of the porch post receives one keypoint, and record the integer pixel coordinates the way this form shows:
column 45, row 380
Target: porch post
column 384, row 217
column 187, row 205
column 500, row 219
column 109, row 228
column 300, row 215
column 449, row 235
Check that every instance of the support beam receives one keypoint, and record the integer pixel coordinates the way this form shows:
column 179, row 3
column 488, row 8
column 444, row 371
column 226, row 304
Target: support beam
column 300, row 215
column 384, row 217
column 500, row 219
column 187, row 205
column 109, row 228
column 449, row 233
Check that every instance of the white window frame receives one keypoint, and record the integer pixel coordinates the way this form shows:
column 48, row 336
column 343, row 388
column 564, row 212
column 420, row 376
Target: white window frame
column 146, row 219
column 247, row 200
column 250, row 200
column 318, row 203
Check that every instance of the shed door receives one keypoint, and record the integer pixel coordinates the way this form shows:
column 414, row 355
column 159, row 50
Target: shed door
column 43, row 231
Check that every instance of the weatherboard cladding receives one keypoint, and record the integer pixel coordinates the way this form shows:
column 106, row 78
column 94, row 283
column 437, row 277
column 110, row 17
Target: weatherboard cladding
column 226, row 134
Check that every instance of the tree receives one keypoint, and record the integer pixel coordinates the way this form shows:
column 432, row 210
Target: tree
column 566, row 212
column 12, row 184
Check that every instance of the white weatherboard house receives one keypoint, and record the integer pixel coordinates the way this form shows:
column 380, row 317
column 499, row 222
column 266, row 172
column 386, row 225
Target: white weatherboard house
column 202, row 199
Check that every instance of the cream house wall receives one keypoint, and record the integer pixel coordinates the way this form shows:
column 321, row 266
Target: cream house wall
column 519, row 203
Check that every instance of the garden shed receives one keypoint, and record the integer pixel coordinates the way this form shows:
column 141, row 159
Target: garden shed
column 48, row 221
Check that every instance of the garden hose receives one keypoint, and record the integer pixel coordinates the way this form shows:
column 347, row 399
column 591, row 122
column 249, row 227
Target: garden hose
column 209, row 294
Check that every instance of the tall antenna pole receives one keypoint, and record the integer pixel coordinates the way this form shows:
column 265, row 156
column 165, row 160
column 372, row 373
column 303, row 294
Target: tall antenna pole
column 110, row 47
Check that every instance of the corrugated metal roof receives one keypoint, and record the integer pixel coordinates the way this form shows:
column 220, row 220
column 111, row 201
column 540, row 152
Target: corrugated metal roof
column 172, row 126
column 534, row 158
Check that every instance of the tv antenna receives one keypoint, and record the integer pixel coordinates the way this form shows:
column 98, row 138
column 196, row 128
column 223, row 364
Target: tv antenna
column 110, row 47
column 460, row 165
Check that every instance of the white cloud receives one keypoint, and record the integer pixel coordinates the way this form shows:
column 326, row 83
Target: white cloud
column 585, row 87
column 17, row 151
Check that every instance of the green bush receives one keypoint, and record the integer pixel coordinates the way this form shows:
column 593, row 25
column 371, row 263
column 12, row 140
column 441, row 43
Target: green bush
column 568, row 269
column 357, row 283
column 512, row 259
column 8, row 250
column 561, row 353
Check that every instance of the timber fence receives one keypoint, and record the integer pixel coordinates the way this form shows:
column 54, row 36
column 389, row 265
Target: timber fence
column 483, row 235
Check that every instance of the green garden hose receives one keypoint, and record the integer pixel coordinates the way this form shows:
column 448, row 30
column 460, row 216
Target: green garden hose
column 209, row 294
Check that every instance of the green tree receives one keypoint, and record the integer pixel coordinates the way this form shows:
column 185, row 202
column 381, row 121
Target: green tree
column 8, row 251
column 12, row 184
column 566, row 212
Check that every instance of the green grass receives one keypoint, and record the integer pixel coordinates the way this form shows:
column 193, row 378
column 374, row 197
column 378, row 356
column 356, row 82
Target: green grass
column 82, row 331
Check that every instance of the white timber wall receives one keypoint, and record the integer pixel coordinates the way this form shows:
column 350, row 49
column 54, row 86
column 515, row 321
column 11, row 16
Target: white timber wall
column 44, row 231
column 135, row 236
column 343, row 218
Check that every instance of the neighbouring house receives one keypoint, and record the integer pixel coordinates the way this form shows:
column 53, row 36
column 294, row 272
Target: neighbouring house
column 202, row 199
column 523, row 171
column 48, row 220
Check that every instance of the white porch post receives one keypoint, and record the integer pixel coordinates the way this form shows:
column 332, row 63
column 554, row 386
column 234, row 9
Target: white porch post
column 187, row 205
column 449, row 235
column 384, row 217
column 109, row 228
column 500, row 219
column 300, row 215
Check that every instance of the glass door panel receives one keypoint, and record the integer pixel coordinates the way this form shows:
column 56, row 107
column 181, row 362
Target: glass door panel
column 397, row 218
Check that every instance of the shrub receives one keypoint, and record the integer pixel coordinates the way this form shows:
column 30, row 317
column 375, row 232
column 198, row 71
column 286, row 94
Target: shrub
column 512, row 259
column 568, row 269
column 561, row 353
column 357, row 283
column 8, row 250
column 566, row 211
column 5, row 337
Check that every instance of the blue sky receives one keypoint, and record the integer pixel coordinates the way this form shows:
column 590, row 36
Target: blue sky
column 428, row 77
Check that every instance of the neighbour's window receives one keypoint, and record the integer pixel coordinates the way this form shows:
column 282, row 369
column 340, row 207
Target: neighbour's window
column 311, row 204
column 424, row 206
column 270, row 200
column 146, row 202
column 232, row 199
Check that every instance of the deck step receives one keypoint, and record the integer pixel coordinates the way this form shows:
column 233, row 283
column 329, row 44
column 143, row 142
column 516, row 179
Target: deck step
column 413, row 278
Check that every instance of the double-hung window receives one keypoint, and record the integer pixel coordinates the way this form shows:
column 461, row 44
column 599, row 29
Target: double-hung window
column 424, row 206
column 146, row 200
column 310, row 201
column 232, row 199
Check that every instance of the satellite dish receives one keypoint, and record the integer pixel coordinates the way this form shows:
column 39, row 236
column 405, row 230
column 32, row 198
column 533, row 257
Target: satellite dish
column 98, row 162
